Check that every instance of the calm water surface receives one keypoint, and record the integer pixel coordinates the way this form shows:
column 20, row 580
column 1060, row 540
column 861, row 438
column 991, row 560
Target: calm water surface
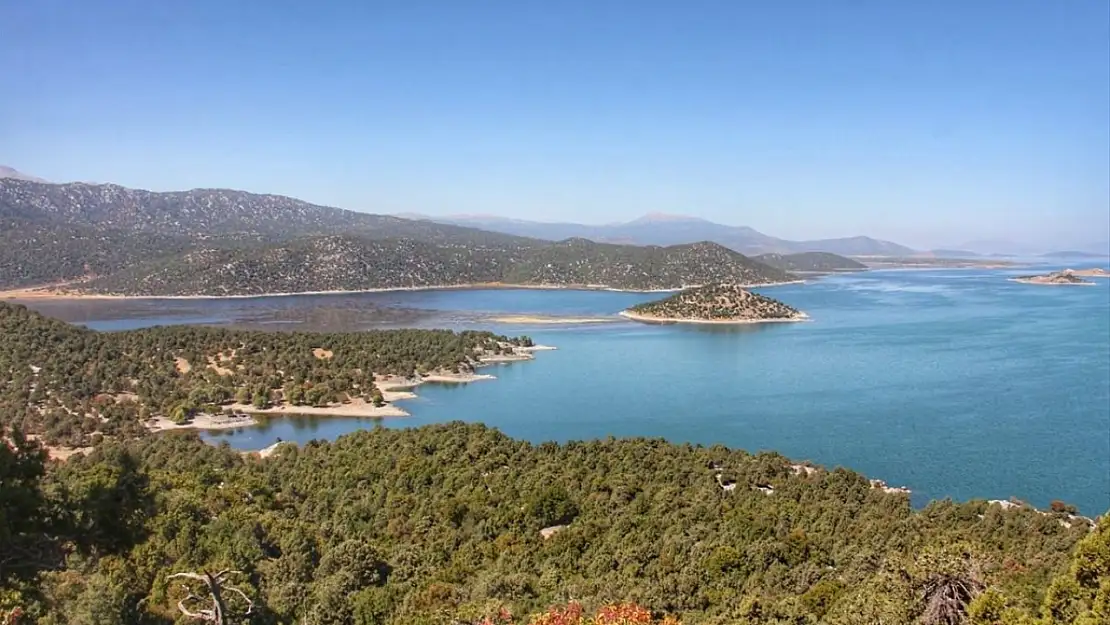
column 954, row 383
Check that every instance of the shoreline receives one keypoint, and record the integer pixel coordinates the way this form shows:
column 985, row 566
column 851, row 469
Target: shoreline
column 393, row 389
column 1039, row 283
column 50, row 292
column 671, row 320
column 542, row 320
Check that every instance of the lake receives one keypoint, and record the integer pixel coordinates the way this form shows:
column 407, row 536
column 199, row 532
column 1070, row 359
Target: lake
column 954, row 383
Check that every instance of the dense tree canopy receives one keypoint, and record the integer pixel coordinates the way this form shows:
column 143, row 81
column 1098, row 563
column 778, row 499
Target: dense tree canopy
column 442, row 525
column 67, row 384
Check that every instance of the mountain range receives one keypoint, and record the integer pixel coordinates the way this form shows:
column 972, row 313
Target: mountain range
column 8, row 172
column 663, row 229
column 113, row 239
column 213, row 212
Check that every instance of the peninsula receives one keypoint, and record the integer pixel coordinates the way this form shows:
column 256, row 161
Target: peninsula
column 716, row 303
column 70, row 386
column 1066, row 277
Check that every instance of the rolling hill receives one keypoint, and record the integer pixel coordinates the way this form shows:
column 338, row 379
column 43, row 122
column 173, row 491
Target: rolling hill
column 225, row 242
column 811, row 262
column 584, row 262
column 352, row 263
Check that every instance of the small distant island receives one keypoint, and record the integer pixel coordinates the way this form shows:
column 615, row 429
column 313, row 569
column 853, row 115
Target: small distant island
column 1066, row 277
column 1095, row 272
column 716, row 303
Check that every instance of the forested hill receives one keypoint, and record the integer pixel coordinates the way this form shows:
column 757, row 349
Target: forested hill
column 335, row 263
column 448, row 524
column 580, row 261
column 353, row 263
column 66, row 384
column 811, row 262
column 33, row 253
column 112, row 239
column 716, row 302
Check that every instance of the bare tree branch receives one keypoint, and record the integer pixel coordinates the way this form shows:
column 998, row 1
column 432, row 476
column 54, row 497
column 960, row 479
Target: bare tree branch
column 215, row 586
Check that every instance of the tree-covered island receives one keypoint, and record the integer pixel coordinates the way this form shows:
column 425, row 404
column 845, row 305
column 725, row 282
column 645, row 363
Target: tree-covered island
column 716, row 303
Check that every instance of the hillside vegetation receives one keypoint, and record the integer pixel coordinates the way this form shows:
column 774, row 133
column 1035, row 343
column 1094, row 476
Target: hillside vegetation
column 34, row 253
column 351, row 263
column 67, row 385
column 582, row 262
column 334, row 263
column 450, row 524
column 716, row 302
column 810, row 262
column 110, row 239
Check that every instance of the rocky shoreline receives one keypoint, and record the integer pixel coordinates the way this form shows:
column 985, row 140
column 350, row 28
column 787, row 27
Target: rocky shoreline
column 1056, row 278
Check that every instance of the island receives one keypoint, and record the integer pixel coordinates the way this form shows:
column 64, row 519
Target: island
column 1066, row 277
column 1094, row 272
column 715, row 303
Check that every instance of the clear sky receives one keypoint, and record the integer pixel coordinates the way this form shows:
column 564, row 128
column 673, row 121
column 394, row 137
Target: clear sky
column 924, row 122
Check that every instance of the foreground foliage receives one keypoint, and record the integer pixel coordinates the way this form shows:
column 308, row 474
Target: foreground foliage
column 441, row 525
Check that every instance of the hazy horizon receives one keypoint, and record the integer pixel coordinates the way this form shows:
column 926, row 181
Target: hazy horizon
column 931, row 126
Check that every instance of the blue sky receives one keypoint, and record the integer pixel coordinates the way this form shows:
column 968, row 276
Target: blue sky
column 924, row 122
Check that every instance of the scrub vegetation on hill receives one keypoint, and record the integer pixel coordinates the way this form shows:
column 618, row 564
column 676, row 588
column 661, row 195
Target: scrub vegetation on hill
column 458, row 524
column 109, row 239
column 70, row 386
column 351, row 263
column 811, row 262
column 717, row 302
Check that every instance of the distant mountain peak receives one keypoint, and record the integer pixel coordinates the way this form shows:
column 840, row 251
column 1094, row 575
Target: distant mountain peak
column 10, row 172
column 651, row 218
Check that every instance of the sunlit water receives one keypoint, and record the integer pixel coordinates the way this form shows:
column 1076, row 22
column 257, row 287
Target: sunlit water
column 953, row 383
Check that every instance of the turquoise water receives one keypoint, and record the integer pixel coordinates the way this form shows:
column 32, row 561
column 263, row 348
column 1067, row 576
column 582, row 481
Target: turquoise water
column 953, row 383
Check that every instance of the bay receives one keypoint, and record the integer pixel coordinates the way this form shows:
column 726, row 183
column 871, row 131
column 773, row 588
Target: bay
column 954, row 383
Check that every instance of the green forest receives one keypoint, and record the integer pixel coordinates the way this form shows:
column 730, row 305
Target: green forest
column 72, row 386
column 458, row 524
column 347, row 263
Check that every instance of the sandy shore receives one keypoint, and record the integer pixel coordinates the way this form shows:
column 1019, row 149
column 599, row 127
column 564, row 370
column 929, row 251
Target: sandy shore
column 60, row 292
column 393, row 389
column 648, row 319
column 354, row 408
column 201, row 422
column 1046, row 283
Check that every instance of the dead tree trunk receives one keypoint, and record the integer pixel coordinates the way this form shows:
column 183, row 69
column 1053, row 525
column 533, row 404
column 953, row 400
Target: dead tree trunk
column 215, row 585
